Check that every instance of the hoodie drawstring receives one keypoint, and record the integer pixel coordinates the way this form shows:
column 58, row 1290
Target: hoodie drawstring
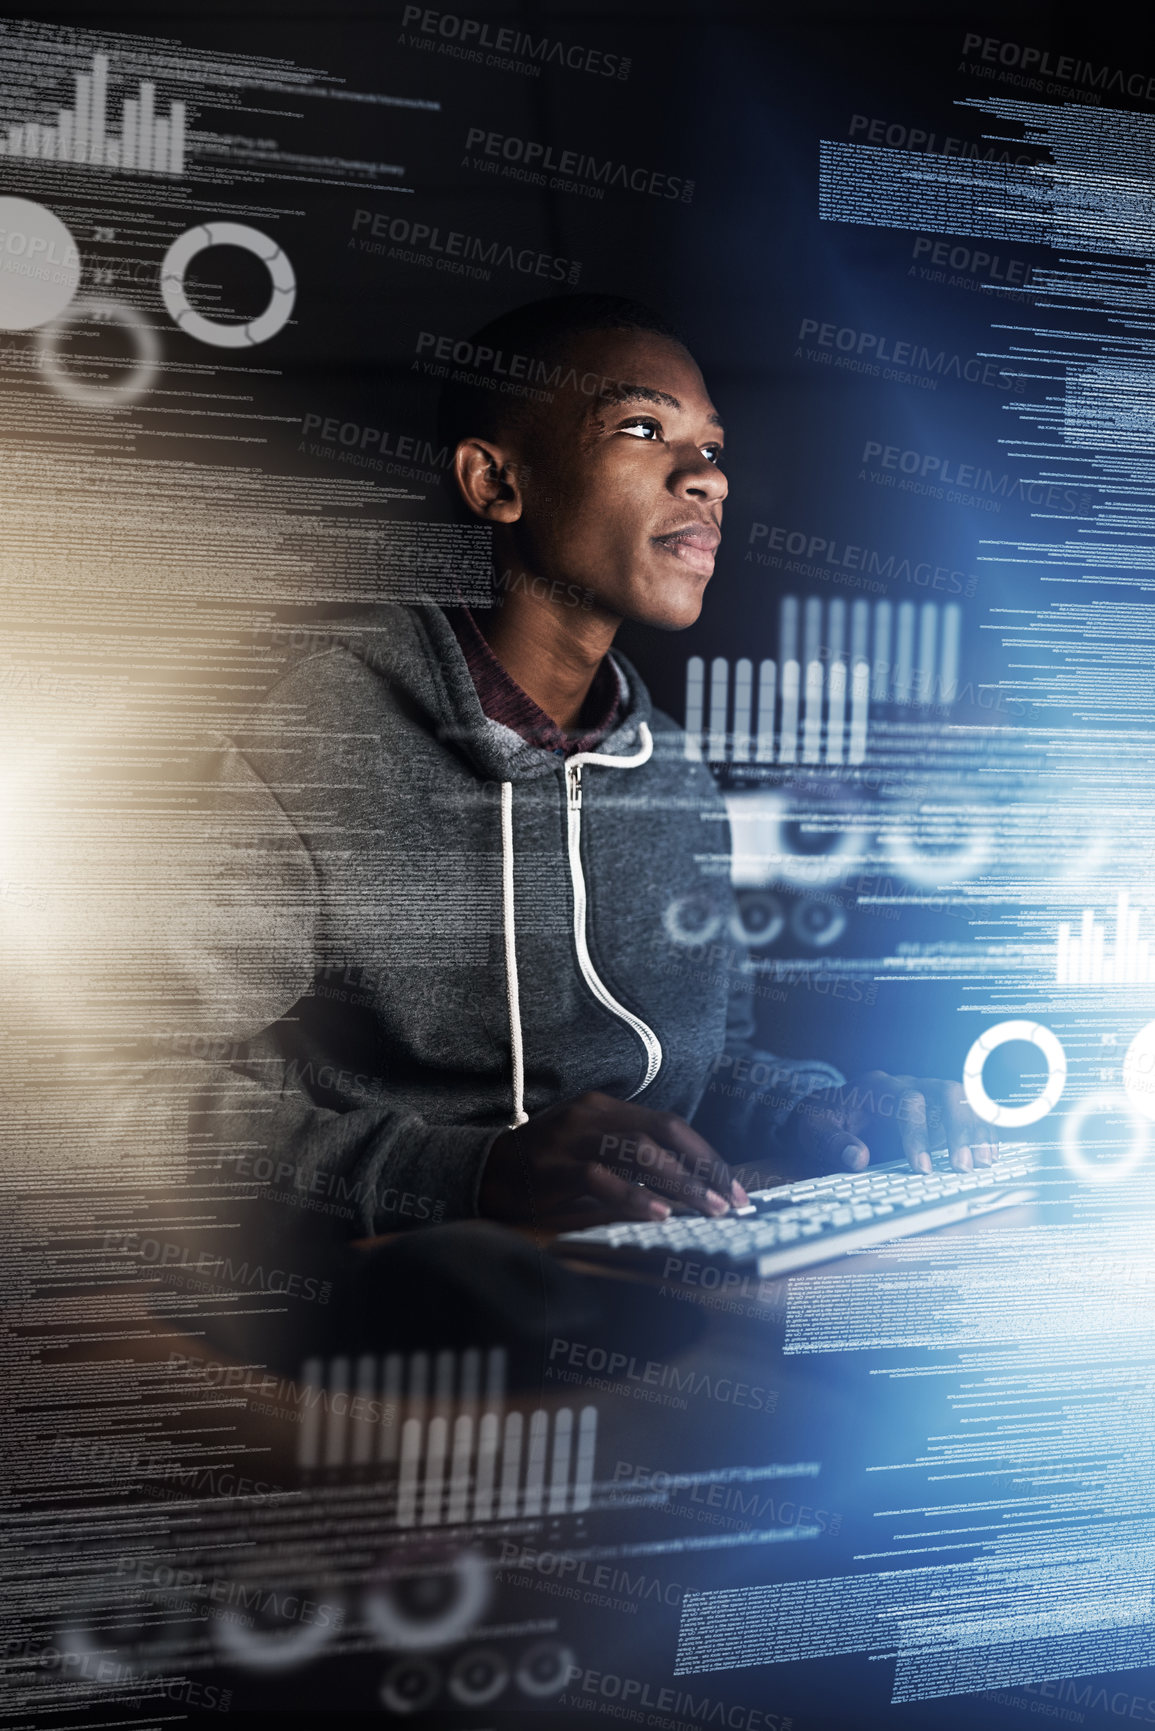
column 520, row 1115
column 597, row 986
column 573, row 775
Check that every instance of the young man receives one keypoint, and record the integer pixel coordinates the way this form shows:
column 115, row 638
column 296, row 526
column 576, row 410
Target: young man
column 479, row 822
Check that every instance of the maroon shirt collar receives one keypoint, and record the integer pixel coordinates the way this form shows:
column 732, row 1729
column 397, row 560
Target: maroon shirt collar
column 503, row 700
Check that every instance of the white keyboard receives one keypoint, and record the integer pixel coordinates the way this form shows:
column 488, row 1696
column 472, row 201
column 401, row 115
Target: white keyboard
column 796, row 1225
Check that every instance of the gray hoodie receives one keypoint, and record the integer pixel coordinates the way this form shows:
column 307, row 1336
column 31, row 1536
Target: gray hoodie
column 418, row 929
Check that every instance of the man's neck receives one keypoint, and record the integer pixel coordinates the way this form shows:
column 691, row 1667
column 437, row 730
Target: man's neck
column 551, row 650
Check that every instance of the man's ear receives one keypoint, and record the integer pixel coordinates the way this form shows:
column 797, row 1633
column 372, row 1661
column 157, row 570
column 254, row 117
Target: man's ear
column 489, row 481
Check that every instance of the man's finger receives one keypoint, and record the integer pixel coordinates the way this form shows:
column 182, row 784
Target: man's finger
column 855, row 1155
column 949, row 1106
column 959, row 1125
column 823, row 1136
column 695, row 1155
column 632, row 1200
column 962, row 1156
column 912, row 1129
column 660, row 1169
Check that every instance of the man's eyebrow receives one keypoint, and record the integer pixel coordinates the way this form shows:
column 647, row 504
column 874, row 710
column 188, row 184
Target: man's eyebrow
column 611, row 395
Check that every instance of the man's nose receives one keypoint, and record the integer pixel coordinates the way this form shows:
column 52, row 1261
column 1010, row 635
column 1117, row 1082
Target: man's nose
column 699, row 478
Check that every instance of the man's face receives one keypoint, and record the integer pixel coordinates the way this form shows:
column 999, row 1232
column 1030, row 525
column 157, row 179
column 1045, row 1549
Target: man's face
column 623, row 488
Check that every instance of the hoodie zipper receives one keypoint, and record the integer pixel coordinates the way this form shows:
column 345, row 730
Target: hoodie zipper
column 598, row 987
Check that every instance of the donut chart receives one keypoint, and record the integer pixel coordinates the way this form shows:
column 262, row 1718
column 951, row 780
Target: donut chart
column 219, row 335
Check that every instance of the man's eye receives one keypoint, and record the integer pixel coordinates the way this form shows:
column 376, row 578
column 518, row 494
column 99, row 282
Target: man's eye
column 712, row 452
column 642, row 427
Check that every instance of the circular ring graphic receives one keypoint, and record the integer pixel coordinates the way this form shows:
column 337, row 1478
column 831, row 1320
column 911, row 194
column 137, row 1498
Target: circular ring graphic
column 396, row 1625
column 1109, row 1172
column 543, row 1669
column 761, row 853
column 817, row 923
column 39, row 265
column 478, row 1677
column 1014, row 1117
column 180, row 255
column 409, row 1685
column 147, row 1639
column 690, row 919
column 134, row 385
column 759, row 919
column 276, row 1647
column 927, row 870
column 1139, row 1071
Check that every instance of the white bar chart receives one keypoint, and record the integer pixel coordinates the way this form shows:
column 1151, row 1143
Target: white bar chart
column 146, row 143
column 442, row 1428
column 811, row 703
column 809, row 725
column 1086, row 956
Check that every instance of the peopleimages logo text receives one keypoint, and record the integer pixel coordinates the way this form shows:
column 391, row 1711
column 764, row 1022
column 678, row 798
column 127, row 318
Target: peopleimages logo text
column 1041, row 63
column 504, row 42
column 453, row 249
column 532, row 155
column 464, row 353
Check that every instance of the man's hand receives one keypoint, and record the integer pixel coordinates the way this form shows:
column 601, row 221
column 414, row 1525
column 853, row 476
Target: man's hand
column 596, row 1159
column 885, row 1117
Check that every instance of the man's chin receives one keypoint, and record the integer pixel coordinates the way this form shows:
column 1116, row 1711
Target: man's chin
column 666, row 612
column 666, row 601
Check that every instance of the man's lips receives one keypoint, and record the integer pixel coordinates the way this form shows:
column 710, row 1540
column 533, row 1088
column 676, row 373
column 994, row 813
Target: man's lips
column 695, row 545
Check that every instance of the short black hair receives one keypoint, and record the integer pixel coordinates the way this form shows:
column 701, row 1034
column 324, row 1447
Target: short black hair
column 540, row 335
